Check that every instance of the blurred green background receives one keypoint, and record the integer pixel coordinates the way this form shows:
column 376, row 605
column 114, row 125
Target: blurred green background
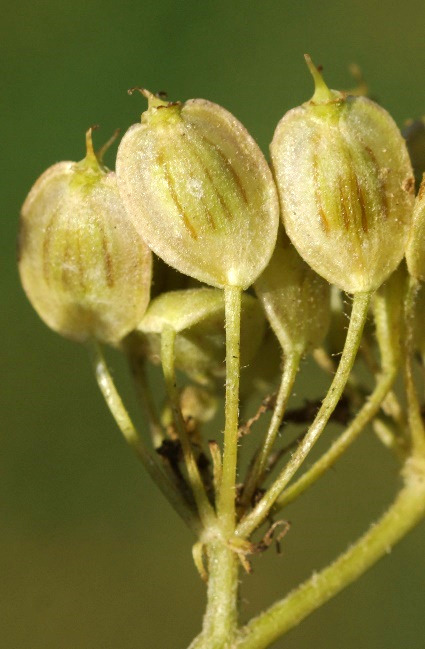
column 91, row 557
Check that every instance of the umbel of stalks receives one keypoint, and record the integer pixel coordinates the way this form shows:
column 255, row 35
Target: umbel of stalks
column 83, row 265
column 198, row 188
column 346, row 186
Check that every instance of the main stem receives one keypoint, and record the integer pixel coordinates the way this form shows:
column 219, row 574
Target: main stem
column 227, row 489
column 220, row 619
column 358, row 318
column 406, row 511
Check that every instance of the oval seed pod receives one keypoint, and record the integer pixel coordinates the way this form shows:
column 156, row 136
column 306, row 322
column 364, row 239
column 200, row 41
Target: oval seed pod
column 197, row 315
column 84, row 267
column 346, row 187
column 415, row 251
column 295, row 299
column 198, row 188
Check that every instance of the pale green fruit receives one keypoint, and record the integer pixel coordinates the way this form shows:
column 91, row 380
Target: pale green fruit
column 83, row 265
column 199, row 190
column 346, row 187
column 197, row 315
column 415, row 252
column 295, row 299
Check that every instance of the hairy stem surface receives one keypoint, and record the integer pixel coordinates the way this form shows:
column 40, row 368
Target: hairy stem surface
column 406, row 511
column 226, row 494
column 358, row 317
column 220, row 619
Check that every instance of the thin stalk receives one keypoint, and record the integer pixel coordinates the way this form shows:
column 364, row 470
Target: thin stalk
column 328, row 459
column 387, row 323
column 416, row 425
column 405, row 512
column 386, row 434
column 358, row 318
column 226, row 494
column 290, row 369
column 133, row 438
column 144, row 393
column 205, row 509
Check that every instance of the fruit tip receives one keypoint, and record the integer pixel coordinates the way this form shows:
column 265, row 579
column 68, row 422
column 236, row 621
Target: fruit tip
column 322, row 94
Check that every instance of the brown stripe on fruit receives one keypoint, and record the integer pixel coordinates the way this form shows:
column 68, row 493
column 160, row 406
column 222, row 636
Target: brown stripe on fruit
column 317, row 195
column 173, row 193
column 343, row 203
column 46, row 245
column 362, row 204
column 380, row 175
column 220, row 198
column 421, row 192
column 107, row 258
column 80, row 265
column 228, row 165
column 210, row 217
column 227, row 211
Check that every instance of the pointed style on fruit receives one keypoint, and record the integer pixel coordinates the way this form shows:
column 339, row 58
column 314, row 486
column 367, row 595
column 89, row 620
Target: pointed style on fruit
column 346, row 186
column 83, row 265
column 198, row 188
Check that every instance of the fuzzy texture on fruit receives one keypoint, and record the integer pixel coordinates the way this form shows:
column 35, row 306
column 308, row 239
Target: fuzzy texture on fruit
column 346, row 187
column 83, row 265
column 200, row 192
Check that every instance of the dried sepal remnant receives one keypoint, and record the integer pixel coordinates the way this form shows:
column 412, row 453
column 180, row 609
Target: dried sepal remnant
column 415, row 253
column 84, row 267
column 346, row 188
column 198, row 188
column 295, row 299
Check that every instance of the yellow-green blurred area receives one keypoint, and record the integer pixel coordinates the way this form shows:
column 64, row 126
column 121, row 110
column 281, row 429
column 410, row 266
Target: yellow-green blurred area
column 91, row 556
